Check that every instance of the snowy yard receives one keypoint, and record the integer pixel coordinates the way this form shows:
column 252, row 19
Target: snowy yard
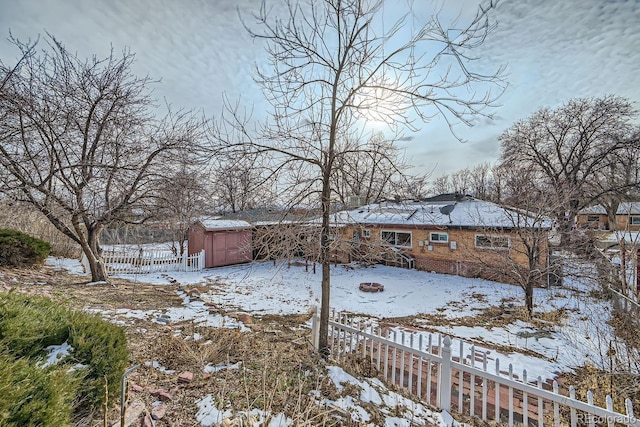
column 265, row 288
column 543, row 348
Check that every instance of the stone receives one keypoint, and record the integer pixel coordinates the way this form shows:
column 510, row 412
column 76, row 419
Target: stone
column 185, row 377
column 245, row 318
column 132, row 413
column 159, row 412
column 163, row 395
column 146, row 420
column 135, row 387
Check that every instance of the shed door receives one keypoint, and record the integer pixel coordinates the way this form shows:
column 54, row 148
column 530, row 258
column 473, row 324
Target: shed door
column 219, row 248
column 208, row 250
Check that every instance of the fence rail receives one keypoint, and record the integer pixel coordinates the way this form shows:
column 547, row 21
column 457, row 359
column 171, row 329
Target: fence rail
column 122, row 262
column 426, row 368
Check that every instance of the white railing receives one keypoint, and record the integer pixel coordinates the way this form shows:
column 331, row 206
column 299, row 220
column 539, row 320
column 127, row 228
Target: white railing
column 424, row 367
column 121, row 262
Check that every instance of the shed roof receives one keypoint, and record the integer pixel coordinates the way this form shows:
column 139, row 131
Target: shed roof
column 224, row 224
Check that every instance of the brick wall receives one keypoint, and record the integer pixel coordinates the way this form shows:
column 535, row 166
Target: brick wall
column 623, row 223
column 458, row 256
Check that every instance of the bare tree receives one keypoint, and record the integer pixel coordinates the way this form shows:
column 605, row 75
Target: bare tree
column 567, row 146
column 477, row 181
column 461, row 181
column 369, row 175
column 182, row 196
column 332, row 65
column 515, row 180
column 407, row 186
column 480, row 185
column 619, row 181
column 239, row 182
column 78, row 141
column 517, row 251
column 441, row 185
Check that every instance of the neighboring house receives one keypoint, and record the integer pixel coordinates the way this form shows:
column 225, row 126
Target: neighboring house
column 447, row 234
column 595, row 217
column 628, row 216
column 225, row 242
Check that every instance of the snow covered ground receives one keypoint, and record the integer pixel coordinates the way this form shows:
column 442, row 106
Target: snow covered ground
column 265, row 288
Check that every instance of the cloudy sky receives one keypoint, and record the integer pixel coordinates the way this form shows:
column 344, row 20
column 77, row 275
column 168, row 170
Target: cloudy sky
column 553, row 50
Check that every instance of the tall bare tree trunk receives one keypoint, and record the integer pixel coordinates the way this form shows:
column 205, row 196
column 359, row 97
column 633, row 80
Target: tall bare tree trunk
column 528, row 297
column 325, row 256
column 93, row 252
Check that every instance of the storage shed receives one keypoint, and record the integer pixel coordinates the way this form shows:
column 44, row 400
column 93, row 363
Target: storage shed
column 225, row 242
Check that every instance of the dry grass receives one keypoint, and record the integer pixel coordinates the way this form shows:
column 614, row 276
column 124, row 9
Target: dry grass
column 277, row 368
column 26, row 219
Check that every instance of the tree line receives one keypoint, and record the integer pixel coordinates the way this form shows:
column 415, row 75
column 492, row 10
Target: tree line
column 582, row 153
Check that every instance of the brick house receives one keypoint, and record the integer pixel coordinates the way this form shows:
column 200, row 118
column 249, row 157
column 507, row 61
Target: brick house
column 595, row 217
column 448, row 234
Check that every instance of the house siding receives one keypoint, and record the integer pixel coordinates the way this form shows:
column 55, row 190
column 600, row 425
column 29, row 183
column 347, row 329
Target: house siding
column 458, row 256
column 623, row 222
column 602, row 223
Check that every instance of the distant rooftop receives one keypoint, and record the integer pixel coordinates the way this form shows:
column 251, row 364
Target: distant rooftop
column 266, row 216
column 625, row 208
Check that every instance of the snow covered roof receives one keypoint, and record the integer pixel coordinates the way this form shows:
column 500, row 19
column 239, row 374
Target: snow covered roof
column 272, row 216
column 625, row 208
column 466, row 213
column 224, row 224
column 593, row 210
column 628, row 208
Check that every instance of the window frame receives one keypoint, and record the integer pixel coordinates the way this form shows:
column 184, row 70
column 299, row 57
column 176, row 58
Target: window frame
column 593, row 218
column 395, row 240
column 439, row 233
column 634, row 217
column 490, row 238
column 366, row 233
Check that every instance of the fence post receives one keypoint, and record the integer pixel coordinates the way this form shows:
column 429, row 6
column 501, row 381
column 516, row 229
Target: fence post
column 185, row 258
column 444, row 391
column 151, row 262
column 315, row 328
column 201, row 261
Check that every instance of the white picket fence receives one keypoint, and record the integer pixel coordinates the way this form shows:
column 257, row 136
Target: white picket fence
column 130, row 262
column 425, row 368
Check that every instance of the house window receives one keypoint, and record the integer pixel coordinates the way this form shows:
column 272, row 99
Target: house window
column 593, row 218
column 439, row 237
column 634, row 220
column 397, row 238
column 485, row 241
column 366, row 233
